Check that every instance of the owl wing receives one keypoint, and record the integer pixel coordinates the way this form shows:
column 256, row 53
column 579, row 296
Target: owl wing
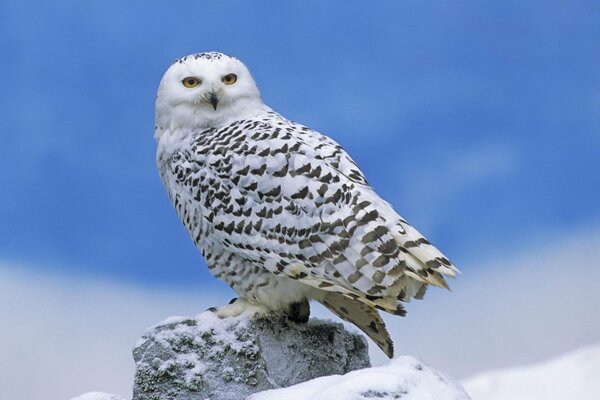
column 292, row 201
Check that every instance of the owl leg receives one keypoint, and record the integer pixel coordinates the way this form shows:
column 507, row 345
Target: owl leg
column 299, row 311
column 239, row 307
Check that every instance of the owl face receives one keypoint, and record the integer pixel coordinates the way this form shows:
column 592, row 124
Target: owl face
column 205, row 89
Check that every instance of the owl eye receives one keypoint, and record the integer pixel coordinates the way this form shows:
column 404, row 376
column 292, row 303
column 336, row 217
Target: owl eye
column 229, row 79
column 191, row 82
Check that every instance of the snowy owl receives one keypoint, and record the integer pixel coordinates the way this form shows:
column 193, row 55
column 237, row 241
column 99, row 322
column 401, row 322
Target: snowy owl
column 279, row 211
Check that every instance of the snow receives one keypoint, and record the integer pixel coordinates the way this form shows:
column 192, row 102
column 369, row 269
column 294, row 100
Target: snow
column 222, row 330
column 404, row 377
column 575, row 375
column 98, row 396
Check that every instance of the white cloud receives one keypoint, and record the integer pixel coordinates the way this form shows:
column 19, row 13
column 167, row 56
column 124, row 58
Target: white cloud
column 61, row 337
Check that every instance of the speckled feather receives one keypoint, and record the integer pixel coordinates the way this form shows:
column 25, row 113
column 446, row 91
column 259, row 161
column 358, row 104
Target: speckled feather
column 282, row 213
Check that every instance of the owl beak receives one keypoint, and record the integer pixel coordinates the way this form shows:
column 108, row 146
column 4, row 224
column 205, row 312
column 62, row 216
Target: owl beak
column 213, row 99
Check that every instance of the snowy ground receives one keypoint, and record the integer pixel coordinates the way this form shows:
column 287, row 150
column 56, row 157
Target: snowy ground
column 404, row 377
column 98, row 396
column 575, row 375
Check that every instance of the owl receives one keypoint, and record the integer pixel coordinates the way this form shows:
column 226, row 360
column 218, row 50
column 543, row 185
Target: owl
column 280, row 212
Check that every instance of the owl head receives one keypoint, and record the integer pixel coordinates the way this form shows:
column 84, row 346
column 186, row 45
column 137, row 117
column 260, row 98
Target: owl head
column 205, row 90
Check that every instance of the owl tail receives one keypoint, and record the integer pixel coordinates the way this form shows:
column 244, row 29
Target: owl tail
column 365, row 317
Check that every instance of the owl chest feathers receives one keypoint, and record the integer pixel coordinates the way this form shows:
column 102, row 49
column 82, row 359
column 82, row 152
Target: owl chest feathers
column 214, row 174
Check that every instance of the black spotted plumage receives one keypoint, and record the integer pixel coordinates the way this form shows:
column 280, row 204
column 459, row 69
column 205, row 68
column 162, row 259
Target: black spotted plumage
column 282, row 213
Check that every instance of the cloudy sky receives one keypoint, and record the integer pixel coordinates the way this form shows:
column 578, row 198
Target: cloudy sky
column 479, row 121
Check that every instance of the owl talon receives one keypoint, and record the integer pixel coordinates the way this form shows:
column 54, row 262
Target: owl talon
column 233, row 300
column 242, row 307
column 212, row 309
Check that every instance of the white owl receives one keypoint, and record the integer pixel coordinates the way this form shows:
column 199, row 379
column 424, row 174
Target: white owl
column 280, row 212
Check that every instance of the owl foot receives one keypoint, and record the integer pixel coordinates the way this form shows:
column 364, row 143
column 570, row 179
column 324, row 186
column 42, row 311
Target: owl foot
column 299, row 312
column 239, row 307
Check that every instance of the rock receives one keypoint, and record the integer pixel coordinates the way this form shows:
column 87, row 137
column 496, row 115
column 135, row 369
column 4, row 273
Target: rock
column 221, row 359
column 403, row 378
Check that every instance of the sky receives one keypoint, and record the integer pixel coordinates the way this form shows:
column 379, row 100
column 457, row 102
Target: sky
column 477, row 120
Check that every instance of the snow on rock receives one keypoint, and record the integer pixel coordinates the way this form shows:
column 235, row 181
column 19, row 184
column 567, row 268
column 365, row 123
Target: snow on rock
column 575, row 375
column 220, row 359
column 404, row 378
column 98, row 396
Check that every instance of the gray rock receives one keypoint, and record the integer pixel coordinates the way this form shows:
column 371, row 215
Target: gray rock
column 221, row 359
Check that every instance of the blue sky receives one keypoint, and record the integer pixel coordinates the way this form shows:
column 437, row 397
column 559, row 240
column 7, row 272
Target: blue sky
column 479, row 121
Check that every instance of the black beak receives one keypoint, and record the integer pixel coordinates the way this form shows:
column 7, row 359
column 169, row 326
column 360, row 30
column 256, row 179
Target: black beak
column 213, row 99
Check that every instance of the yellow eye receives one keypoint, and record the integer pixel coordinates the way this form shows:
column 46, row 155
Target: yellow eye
column 191, row 82
column 229, row 79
